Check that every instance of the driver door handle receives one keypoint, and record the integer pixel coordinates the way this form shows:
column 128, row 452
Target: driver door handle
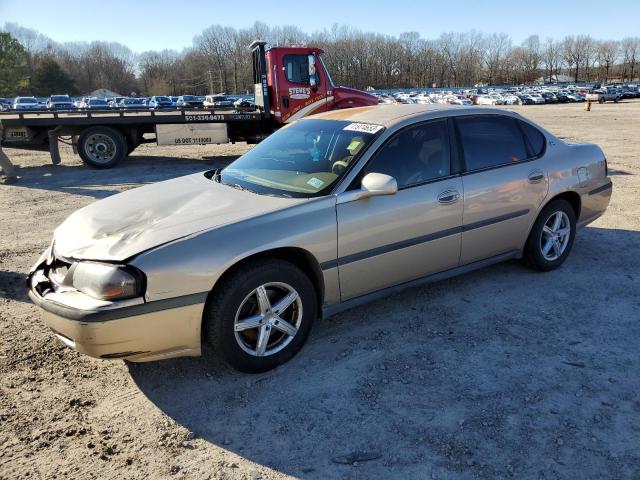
column 448, row 196
column 536, row 176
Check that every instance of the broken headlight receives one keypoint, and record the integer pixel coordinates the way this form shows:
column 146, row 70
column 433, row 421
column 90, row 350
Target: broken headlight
column 107, row 282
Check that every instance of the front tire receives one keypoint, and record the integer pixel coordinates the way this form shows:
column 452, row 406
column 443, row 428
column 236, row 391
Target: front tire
column 551, row 237
column 261, row 315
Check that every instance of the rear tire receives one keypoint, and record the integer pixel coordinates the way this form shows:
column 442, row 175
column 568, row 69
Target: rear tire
column 237, row 320
column 102, row 147
column 551, row 237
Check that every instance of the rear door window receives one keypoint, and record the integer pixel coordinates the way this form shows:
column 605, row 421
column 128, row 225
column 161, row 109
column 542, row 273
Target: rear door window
column 490, row 140
column 535, row 137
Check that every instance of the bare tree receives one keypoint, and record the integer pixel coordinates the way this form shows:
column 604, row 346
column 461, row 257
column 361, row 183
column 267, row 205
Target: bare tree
column 630, row 47
column 551, row 56
column 531, row 58
column 498, row 46
column 589, row 54
column 607, row 53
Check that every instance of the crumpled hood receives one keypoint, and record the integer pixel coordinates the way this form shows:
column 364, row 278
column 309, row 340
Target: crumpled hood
column 131, row 222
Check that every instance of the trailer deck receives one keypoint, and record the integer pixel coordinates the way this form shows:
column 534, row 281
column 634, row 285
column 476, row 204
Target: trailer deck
column 124, row 117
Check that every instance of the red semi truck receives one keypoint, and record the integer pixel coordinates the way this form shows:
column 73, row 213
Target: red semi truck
column 289, row 83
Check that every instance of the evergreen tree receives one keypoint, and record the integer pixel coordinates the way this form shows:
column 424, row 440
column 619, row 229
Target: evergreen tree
column 50, row 79
column 13, row 66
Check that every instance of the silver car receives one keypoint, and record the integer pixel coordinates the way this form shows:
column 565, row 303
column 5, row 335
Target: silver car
column 328, row 212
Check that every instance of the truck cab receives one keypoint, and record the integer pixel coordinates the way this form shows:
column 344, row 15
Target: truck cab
column 293, row 82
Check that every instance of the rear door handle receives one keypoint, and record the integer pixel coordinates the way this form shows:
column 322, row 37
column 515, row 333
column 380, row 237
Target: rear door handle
column 448, row 196
column 536, row 176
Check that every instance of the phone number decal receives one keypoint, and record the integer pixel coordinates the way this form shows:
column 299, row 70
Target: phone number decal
column 220, row 118
column 203, row 118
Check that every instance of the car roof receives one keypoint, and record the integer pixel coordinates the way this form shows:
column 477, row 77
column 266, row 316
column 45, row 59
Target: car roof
column 389, row 115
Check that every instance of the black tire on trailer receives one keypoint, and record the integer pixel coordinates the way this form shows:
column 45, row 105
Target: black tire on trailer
column 102, row 147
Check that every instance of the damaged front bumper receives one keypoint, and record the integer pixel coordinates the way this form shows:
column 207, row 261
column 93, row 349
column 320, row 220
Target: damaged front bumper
column 129, row 329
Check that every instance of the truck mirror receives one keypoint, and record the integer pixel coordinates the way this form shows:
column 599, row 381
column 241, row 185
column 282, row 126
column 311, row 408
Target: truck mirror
column 311, row 60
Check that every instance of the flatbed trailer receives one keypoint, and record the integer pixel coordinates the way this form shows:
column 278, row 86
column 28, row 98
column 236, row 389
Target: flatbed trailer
column 101, row 131
column 289, row 83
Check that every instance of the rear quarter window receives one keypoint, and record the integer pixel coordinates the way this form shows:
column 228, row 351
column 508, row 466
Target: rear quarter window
column 490, row 141
column 535, row 138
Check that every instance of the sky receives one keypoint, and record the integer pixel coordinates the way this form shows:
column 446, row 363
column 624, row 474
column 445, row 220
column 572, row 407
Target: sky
column 158, row 24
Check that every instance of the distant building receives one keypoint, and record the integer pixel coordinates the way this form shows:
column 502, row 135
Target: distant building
column 556, row 79
column 103, row 93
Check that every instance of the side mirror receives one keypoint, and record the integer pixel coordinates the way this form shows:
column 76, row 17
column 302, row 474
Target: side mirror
column 311, row 60
column 373, row 185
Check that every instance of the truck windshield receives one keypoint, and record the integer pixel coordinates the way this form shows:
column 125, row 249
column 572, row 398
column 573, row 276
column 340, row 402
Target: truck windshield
column 304, row 159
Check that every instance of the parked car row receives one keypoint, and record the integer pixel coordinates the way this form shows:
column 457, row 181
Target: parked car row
column 538, row 95
column 63, row 103
column 522, row 95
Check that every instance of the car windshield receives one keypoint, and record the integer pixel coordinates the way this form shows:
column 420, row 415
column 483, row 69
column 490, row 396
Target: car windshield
column 133, row 101
column 188, row 98
column 95, row 101
column 162, row 99
column 59, row 98
column 27, row 100
column 304, row 159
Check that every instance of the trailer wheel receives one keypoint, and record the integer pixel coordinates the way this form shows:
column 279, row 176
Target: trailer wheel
column 102, row 147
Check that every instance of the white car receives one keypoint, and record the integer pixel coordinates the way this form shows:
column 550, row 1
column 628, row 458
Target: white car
column 386, row 99
column 458, row 100
column 511, row 100
column 26, row 103
column 485, row 100
column 498, row 98
column 423, row 99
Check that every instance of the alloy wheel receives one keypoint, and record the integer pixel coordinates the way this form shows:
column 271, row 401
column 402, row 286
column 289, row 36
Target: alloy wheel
column 556, row 233
column 268, row 319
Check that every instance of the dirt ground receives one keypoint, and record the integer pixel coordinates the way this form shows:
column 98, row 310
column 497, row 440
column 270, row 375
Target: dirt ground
column 502, row 373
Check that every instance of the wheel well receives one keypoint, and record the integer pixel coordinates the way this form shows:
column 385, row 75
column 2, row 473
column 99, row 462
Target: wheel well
column 300, row 257
column 574, row 200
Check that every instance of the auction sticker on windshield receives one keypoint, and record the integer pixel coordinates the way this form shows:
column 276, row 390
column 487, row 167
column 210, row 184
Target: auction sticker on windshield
column 315, row 182
column 363, row 127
